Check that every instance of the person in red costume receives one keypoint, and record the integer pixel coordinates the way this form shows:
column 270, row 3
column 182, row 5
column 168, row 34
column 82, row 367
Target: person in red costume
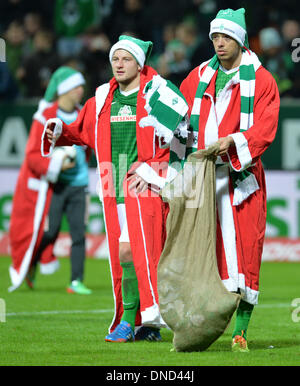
column 32, row 232
column 132, row 163
column 233, row 100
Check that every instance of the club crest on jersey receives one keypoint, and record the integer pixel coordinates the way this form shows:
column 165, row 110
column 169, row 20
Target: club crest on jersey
column 125, row 110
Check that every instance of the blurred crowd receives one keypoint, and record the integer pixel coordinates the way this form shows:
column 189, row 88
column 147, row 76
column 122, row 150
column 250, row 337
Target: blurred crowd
column 41, row 35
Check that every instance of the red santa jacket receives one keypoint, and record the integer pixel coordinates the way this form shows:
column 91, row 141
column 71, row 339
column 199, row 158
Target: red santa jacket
column 31, row 200
column 240, row 222
column 145, row 213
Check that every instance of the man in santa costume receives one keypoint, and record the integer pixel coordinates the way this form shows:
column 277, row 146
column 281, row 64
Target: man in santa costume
column 233, row 100
column 31, row 237
column 129, row 123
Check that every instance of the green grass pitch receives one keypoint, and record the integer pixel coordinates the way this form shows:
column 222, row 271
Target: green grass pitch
column 48, row 326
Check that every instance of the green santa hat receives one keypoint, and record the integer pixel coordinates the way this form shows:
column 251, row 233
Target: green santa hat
column 63, row 80
column 139, row 49
column 231, row 23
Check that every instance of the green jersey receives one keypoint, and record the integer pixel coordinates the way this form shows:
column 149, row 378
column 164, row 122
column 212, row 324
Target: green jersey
column 222, row 79
column 123, row 138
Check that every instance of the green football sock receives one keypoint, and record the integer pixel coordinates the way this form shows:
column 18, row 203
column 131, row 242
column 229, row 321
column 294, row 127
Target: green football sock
column 130, row 293
column 243, row 315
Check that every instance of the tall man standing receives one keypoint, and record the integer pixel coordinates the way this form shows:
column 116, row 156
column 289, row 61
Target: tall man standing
column 233, row 100
column 126, row 123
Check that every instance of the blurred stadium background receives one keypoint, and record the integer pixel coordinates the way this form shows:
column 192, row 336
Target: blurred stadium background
column 37, row 36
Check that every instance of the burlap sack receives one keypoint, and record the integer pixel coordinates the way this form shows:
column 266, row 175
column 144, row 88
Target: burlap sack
column 193, row 301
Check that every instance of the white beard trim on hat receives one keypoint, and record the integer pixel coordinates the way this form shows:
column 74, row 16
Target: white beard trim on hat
column 228, row 27
column 132, row 48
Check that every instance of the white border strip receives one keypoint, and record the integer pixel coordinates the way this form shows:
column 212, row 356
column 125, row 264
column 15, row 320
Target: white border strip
column 17, row 278
column 72, row 82
column 104, row 311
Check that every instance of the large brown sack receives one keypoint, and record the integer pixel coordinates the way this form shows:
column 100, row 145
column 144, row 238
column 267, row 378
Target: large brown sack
column 193, row 301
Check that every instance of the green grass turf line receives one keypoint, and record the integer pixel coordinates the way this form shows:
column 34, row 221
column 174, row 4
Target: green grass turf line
column 74, row 334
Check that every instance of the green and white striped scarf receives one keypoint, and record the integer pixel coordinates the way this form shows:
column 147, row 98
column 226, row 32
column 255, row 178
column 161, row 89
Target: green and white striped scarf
column 167, row 113
column 248, row 67
column 166, row 108
column 244, row 182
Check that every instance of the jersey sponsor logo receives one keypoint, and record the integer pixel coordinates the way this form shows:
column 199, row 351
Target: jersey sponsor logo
column 128, row 118
column 124, row 115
